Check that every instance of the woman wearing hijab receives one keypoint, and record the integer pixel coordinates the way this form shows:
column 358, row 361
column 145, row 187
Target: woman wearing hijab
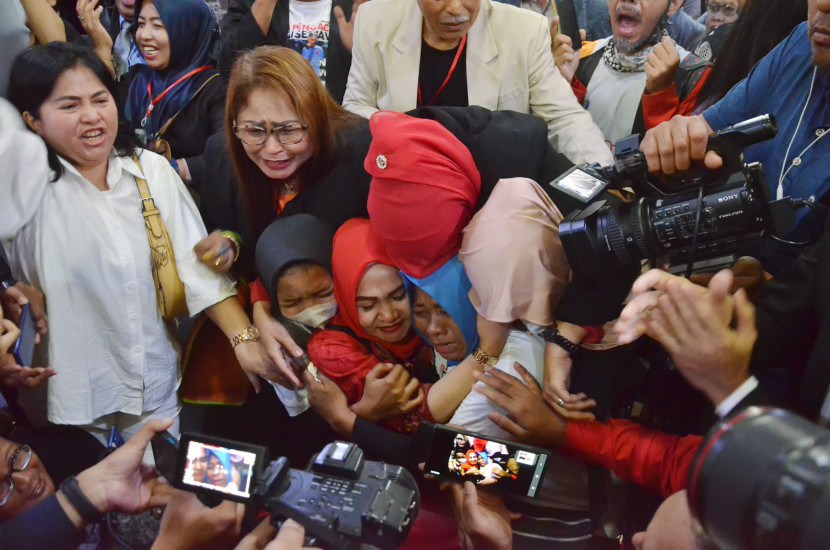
column 177, row 100
column 219, row 469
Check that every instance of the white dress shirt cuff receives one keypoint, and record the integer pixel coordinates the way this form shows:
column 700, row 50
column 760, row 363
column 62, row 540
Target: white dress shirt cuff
column 732, row 400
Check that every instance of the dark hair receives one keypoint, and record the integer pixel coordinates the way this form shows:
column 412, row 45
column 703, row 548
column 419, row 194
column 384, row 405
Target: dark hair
column 35, row 72
column 760, row 27
column 284, row 71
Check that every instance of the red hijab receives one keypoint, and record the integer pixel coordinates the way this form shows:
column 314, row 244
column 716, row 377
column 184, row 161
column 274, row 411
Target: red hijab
column 355, row 249
column 424, row 189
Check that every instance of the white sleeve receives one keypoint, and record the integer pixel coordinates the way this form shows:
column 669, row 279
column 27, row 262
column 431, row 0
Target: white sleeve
column 203, row 287
column 732, row 400
column 25, row 172
column 361, row 97
column 571, row 130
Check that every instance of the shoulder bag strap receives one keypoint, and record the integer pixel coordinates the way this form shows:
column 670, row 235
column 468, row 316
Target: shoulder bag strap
column 173, row 118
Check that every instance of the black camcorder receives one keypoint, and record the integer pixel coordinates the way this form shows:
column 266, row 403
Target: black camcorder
column 761, row 480
column 705, row 223
column 342, row 500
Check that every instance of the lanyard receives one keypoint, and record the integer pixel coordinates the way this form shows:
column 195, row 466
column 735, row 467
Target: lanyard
column 170, row 87
column 449, row 74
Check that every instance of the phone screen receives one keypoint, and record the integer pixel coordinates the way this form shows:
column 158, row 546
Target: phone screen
column 220, row 469
column 24, row 348
column 487, row 462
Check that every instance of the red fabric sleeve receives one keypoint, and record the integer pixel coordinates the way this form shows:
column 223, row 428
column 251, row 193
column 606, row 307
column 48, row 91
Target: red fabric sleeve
column 662, row 106
column 658, row 461
column 343, row 359
column 579, row 90
column 258, row 292
column 347, row 362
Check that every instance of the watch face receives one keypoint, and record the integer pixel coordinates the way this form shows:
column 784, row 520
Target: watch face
column 252, row 332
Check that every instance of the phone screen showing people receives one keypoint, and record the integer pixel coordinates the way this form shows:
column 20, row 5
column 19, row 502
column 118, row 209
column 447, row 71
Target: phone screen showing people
column 221, row 469
column 502, row 465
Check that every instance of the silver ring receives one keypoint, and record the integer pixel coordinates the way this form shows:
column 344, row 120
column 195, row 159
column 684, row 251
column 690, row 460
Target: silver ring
column 560, row 402
column 81, row 18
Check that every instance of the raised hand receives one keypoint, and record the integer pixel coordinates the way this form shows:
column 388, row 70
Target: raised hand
column 567, row 60
column 346, row 26
column 661, row 66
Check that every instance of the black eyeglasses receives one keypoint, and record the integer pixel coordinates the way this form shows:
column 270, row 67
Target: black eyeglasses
column 727, row 10
column 286, row 134
column 19, row 462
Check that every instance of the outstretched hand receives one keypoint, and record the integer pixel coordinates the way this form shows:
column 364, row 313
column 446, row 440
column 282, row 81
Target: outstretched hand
column 529, row 418
column 567, row 60
column 278, row 343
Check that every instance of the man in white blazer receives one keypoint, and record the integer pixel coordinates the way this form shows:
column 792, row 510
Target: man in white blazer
column 507, row 58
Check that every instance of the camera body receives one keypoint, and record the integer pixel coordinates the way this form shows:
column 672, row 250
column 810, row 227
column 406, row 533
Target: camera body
column 342, row 500
column 708, row 220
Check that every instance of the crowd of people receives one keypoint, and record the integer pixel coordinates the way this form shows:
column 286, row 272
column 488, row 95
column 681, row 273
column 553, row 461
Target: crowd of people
column 286, row 222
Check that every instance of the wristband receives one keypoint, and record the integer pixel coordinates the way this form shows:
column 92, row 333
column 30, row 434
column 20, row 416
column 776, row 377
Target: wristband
column 76, row 497
column 551, row 334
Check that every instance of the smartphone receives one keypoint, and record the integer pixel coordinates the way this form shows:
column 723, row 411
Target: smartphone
column 24, row 348
column 567, row 21
column 218, row 467
column 166, row 454
column 487, row 462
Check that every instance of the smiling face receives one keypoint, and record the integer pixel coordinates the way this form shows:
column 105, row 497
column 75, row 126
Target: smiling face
column 447, row 21
column 268, row 109
column 818, row 15
column 633, row 22
column 304, row 286
column 31, row 486
column 79, row 119
column 152, row 39
column 382, row 304
column 438, row 327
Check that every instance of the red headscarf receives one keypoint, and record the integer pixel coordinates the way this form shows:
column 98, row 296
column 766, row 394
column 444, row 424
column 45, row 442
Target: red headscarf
column 424, row 189
column 354, row 249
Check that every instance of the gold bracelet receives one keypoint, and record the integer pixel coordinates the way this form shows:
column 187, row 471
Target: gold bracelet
column 236, row 242
column 483, row 358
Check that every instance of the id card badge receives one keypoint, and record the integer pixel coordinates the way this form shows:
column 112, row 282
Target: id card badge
column 141, row 136
column 114, row 440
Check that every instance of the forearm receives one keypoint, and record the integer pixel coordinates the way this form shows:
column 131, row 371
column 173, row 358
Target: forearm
column 46, row 24
column 263, row 11
column 448, row 393
column 229, row 316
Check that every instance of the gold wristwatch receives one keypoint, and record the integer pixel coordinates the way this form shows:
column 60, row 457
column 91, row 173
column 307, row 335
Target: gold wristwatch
column 249, row 334
column 483, row 358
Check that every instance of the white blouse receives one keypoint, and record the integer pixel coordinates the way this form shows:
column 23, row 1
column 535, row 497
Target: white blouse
column 87, row 250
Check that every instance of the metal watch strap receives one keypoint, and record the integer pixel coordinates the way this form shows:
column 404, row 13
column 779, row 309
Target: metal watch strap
column 79, row 500
column 551, row 334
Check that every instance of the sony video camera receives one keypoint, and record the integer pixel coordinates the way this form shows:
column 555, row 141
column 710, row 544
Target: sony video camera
column 708, row 219
column 762, row 480
column 342, row 500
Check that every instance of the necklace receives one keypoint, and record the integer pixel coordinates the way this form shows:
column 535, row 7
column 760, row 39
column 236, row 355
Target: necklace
column 779, row 193
column 290, row 187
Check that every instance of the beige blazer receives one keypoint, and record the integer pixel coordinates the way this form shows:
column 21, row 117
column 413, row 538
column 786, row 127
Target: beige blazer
column 509, row 67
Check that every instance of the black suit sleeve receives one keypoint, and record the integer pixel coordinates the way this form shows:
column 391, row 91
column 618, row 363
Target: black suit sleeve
column 44, row 527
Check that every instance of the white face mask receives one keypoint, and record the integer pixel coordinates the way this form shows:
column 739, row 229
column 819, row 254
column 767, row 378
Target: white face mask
column 316, row 316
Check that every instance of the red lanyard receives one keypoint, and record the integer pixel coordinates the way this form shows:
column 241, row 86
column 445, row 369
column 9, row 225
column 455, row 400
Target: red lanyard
column 170, row 87
column 449, row 74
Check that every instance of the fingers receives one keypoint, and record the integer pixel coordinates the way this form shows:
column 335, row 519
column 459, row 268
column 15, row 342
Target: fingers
column 529, row 381
column 652, row 279
column 259, row 537
column 380, row 371
column 9, row 333
column 415, row 402
column 340, row 16
column 745, row 316
column 411, row 388
column 284, row 338
column 147, row 431
column 161, row 494
column 254, row 379
column 554, row 27
column 291, row 536
column 720, row 285
column 37, row 376
column 508, row 425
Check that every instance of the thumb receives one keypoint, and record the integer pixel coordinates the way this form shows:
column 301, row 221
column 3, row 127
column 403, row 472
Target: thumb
column 381, row 370
column 583, row 35
column 721, row 284
column 146, row 433
column 340, row 16
column 554, row 26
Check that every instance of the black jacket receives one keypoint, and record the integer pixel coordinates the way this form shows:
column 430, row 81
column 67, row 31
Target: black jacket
column 793, row 320
column 241, row 32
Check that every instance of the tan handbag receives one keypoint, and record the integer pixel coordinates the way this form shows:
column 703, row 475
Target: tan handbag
column 169, row 288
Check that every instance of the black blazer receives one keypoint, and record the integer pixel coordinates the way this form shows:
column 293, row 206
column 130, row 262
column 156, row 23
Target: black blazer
column 240, row 32
column 793, row 319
